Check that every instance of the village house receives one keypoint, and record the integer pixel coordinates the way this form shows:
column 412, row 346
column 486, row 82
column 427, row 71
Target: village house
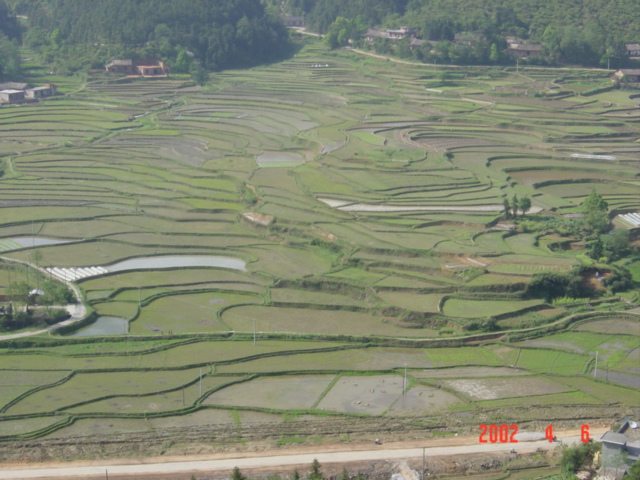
column 392, row 34
column 47, row 90
column 137, row 68
column 633, row 50
column 294, row 21
column 11, row 96
column 401, row 33
column 120, row 66
column 522, row 50
column 15, row 92
column 468, row 38
column 631, row 75
column 417, row 43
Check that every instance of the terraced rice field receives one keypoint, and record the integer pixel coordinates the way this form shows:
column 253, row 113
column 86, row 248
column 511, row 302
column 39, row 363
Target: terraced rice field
column 359, row 216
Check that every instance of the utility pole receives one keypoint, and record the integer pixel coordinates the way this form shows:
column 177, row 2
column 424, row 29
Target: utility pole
column 200, row 382
column 254, row 332
column 423, row 462
column 139, row 299
column 404, row 385
column 595, row 372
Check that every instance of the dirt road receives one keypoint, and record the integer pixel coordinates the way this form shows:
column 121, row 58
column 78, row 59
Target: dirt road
column 222, row 464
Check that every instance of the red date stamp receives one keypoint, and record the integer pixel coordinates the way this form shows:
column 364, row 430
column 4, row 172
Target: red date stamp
column 506, row 434
column 498, row 433
column 584, row 434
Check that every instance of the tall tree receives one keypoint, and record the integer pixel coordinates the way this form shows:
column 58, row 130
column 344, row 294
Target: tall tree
column 595, row 209
column 316, row 473
column 237, row 474
column 524, row 204
column 507, row 207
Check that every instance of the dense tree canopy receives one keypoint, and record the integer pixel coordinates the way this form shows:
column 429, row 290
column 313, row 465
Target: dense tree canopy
column 220, row 34
column 9, row 35
column 322, row 13
column 587, row 32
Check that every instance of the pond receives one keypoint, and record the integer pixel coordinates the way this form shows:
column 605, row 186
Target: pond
column 177, row 261
column 279, row 159
column 104, row 326
column 16, row 243
column 37, row 242
column 72, row 274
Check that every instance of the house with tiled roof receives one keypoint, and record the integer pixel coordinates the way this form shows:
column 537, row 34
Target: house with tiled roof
column 632, row 49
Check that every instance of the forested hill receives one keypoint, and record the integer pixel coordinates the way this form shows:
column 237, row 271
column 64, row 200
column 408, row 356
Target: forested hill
column 618, row 20
column 9, row 34
column 220, row 33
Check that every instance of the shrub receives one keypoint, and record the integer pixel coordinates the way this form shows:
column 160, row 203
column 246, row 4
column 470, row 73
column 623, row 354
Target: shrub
column 56, row 316
column 15, row 321
column 575, row 457
column 555, row 285
column 619, row 281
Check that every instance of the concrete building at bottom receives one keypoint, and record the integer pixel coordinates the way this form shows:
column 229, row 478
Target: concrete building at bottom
column 620, row 449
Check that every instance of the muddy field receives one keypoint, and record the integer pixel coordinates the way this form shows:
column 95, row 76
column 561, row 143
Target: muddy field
column 284, row 393
column 622, row 326
column 470, row 372
column 379, row 394
column 494, row 388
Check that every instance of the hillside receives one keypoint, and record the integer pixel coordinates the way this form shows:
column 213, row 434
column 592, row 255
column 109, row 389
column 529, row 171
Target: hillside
column 221, row 34
column 574, row 31
column 317, row 250
column 9, row 56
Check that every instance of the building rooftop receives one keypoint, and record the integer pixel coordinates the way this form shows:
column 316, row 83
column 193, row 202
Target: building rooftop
column 630, row 71
column 13, row 86
column 524, row 47
column 614, row 438
column 126, row 62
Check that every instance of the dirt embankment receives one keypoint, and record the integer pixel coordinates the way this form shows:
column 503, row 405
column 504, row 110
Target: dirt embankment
column 258, row 437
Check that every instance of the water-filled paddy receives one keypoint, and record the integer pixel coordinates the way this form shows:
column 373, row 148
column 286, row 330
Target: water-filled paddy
column 26, row 242
column 104, row 326
column 177, row 261
column 278, row 159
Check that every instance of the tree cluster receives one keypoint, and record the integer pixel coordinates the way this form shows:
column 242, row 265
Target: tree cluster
column 17, row 315
column 9, row 42
column 220, row 34
column 320, row 14
column 553, row 285
column 511, row 208
column 587, row 32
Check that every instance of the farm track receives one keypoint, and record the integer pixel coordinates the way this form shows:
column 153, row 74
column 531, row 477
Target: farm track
column 299, row 457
